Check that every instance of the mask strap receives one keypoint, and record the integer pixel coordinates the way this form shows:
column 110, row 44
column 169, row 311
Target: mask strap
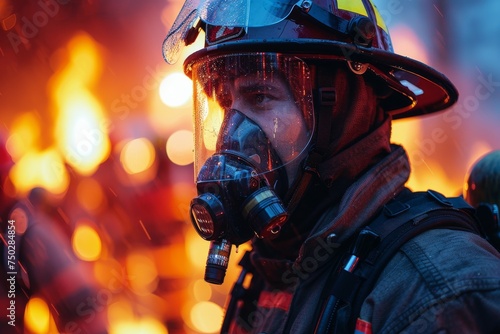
column 325, row 99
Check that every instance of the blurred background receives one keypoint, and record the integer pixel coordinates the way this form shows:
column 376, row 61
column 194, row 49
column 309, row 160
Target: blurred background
column 99, row 130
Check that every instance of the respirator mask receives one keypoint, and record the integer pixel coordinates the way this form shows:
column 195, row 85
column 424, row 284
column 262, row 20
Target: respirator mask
column 253, row 124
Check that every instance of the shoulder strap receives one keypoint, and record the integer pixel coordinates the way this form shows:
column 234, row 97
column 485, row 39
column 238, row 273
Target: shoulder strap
column 420, row 213
column 403, row 218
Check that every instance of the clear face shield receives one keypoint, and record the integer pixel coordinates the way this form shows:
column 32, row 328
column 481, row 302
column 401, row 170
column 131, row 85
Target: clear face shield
column 254, row 121
column 256, row 107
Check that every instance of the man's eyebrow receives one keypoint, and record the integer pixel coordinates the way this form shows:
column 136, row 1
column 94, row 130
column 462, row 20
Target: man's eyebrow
column 256, row 87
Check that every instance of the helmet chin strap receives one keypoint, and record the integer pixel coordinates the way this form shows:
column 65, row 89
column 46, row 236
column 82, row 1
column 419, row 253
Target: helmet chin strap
column 325, row 101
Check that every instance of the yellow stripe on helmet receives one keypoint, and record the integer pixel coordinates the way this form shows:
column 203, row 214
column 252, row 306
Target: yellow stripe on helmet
column 358, row 7
column 380, row 20
column 355, row 6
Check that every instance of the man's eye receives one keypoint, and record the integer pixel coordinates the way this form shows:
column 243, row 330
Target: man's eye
column 260, row 98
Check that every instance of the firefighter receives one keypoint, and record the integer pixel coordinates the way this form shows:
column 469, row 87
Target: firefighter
column 482, row 191
column 293, row 104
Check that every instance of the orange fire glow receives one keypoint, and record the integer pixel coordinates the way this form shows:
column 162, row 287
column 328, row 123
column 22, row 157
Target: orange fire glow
column 80, row 132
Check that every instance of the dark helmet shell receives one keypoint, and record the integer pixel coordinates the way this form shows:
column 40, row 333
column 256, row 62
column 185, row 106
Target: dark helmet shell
column 483, row 182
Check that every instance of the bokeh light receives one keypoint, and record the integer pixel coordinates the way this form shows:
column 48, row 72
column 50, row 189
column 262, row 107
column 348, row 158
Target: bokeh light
column 90, row 194
column 110, row 274
column 20, row 217
column 147, row 325
column 120, row 310
column 180, row 147
column 142, row 273
column 183, row 192
column 176, row 89
column 37, row 316
column 197, row 249
column 206, row 317
column 175, row 267
column 202, row 290
column 137, row 155
column 86, row 243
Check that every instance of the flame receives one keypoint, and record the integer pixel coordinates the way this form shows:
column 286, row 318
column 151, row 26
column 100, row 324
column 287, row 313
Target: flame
column 34, row 167
column 80, row 132
column 424, row 142
column 40, row 168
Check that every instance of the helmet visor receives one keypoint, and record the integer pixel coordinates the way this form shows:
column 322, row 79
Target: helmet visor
column 256, row 106
column 244, row 13
column 228, row 13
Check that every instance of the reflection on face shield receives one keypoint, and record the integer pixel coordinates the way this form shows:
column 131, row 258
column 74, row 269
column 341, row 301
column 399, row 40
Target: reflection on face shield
column 253, row 119
column 242, row 137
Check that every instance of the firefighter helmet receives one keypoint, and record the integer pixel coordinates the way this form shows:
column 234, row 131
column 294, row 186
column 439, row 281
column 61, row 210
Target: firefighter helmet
column 482, row 183
column 352, row 31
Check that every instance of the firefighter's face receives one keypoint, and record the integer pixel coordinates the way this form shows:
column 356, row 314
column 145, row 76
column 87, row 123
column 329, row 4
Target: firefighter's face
column 270, row 104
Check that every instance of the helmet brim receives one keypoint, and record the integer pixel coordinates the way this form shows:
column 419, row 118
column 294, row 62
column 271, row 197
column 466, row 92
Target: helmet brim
column 416, row 88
